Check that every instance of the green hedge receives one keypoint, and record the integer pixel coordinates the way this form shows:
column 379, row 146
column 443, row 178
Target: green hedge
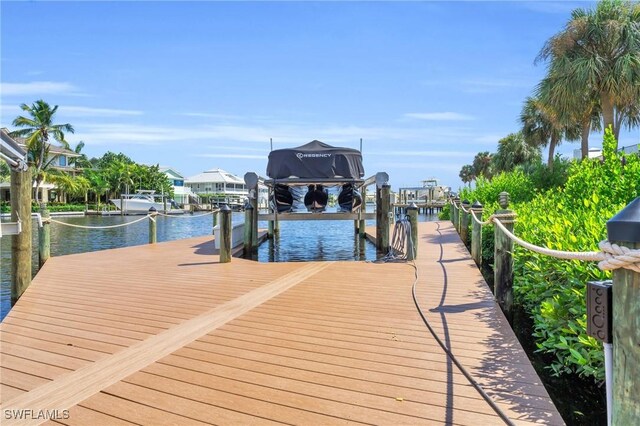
column 572, row 218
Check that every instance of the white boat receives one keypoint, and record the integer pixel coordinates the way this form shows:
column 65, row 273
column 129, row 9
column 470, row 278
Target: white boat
column 142, row 201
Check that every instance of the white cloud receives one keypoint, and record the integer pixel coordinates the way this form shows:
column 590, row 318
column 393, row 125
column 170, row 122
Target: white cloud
column 80, row 111
column 439, row 116
column 38, row 88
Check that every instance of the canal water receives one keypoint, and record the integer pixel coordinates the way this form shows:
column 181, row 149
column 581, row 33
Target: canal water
column 297, row 241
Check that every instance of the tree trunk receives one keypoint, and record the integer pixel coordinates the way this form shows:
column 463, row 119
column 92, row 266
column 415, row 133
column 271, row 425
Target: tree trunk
column 584, row 146
column 552, row 147
column 607, row 112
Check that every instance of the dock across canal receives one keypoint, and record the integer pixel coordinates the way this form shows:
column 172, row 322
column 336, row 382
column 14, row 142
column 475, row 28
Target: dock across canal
column 164, row 334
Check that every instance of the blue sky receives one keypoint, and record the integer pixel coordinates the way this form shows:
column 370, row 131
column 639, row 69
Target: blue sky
column 199, row 85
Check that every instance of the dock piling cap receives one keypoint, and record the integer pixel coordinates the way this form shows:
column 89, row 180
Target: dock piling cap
column 625, row 226
column 225, row 208
column 412, row 206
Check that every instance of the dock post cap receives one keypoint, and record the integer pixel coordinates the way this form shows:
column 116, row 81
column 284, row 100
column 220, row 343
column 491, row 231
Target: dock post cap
column 503, row 199
column 225, row 208
column 477, row 205
column 251, row 179
column 412, row 206
column 625, row 226
column 248, row 206
column 382, row 178
column 152, row 210
column 466, row 202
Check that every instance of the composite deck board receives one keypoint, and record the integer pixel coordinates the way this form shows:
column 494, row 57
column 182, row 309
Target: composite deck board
column 164, row 334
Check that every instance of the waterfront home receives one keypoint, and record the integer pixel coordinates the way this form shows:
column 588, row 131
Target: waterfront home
column 62, row 159
column 181, row 194
column 218, row 185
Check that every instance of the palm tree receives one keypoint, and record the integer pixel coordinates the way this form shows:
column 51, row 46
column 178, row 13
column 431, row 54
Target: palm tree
column 466, row 174
column 581, row 108
column 37, row 128
column 543, row 126
column 513, row 150
column 598, row 54
column 82, row 161
column 482, row 165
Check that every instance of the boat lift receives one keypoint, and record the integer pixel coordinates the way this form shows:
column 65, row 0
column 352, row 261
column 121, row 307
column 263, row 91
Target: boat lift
column 382, row 216
column 16, row 158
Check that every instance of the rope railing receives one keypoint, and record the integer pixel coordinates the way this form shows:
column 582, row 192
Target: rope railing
column 187, row 216
column 611, row 256
column 73, row 225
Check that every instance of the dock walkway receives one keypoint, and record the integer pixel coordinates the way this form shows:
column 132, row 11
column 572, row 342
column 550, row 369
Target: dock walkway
column 164, row 334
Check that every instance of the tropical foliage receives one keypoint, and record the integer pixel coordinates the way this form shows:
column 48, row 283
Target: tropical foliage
column 38, row 129
column 570, row 218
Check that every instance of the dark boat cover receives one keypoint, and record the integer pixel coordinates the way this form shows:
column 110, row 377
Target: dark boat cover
column 315, row 160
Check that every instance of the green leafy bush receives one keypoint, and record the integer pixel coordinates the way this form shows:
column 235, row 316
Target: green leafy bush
column 572, row 218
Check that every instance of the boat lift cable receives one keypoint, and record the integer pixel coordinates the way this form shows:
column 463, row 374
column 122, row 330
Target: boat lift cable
column 402, row 236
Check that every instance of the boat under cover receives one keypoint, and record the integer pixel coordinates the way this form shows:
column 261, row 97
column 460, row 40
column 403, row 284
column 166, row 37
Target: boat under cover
column 349, row 199
column 316, row 198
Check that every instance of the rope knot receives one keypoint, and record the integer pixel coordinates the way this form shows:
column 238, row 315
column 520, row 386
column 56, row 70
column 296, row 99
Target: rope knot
column 616, row 257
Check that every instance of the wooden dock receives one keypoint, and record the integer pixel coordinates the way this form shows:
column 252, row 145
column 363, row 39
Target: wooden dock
column 164, row 334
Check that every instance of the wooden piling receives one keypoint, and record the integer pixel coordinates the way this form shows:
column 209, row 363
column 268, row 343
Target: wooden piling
column 153, row 226
column 363, row 210
column 624, row 230
column 44, row 237
column 503, row 259
column 248, row 229
column 476, row 234
column 464, row 221
column 225, row 234
column 251, row 179
column 382, row 217
column 21, row 187
column 412, row 246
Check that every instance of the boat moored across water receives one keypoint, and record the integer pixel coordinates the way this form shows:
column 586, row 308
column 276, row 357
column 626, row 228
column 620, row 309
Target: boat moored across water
column 143, row 200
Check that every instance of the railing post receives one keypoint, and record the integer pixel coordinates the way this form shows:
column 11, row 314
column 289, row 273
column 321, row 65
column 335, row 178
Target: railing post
column 153, row 226
column 455, row 214
column 21, row 187
column 503, row 259
column 476, row 234
column 248, row 229
column 382, row 217
column 412, row 248
column 363, row 213
column 464, row 222
column 251, row 179
column 215, row 218
column 624, row 229
column 225, row 234
column 44, row 237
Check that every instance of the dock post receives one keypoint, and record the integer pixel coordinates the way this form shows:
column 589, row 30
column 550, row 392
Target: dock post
column 624, row 230
column 412, row 247
column 382, row 218
column 455, row 213
column 225, row 234
column 21, row 187
column 464, row 221
column 251, row 179
column 44, row 236
column 153, row 226
column 248, row 229
column 476, row 234
column 362, row 232
column 503, row 259
column 215, row 218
